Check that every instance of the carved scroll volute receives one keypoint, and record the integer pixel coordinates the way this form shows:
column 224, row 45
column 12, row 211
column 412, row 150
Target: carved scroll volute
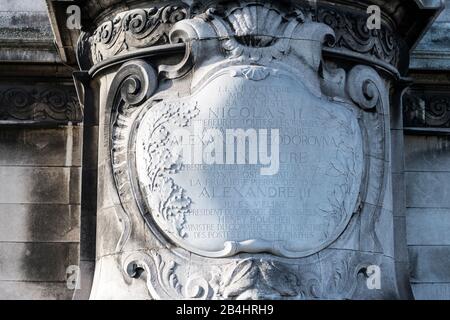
column 217, row 35
column 307, row 42
column 199, row 36
column 364, row 87
column 135, row 82
column 193, row 33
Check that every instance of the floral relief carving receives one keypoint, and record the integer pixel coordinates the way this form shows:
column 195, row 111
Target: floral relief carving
column 169, row 199
column 352, row 34
column 141, row 28
column 252, row 278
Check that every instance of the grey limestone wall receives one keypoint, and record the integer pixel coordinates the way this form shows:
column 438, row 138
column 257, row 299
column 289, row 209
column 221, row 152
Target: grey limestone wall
column 39, row 210
column 25, row 32
column 40, row 158
column 427, row 162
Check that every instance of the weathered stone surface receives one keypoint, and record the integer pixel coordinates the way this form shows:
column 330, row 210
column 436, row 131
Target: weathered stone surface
column 108, row 231
column 430, row 263
column 37, row 261
column 87, row 269
column 26, row 185
column 39, row 223
column 338, row 185
column 30, row 290
column 40, row 147
column 400, row 248
column 427, row 153
column 397, row 151
column 113, row 285
column 431, row 291
column 346, row 209
column 39, row 103
column 427, row 107
column 399, row 194
column 25, row 32
column 87, row 235
column 432, row 51
column 427, row 189
column 428, row 226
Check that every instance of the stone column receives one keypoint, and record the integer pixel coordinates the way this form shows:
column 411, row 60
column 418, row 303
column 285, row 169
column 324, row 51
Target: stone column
column 245, row 150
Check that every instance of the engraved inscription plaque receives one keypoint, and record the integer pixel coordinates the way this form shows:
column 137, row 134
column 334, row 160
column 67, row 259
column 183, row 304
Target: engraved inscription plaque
column 260, row 168
column 252, row 161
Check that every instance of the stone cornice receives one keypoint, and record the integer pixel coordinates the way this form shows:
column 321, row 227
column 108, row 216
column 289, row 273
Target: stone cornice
column 141, row 28
column 408, row 18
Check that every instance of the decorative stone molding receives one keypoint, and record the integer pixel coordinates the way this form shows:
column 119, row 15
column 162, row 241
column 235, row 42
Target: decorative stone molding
column 134, row 29
column 143, row 28
column 233, row 56
column 426, row 108
column 352, row 34
column 31, row 103
column 341, row 219
column 252, row 278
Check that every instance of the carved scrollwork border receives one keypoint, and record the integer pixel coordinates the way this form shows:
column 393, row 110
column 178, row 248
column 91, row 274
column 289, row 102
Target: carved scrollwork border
column 426, row 108
column 240, row 277
column 41, row 103
column 142, row 28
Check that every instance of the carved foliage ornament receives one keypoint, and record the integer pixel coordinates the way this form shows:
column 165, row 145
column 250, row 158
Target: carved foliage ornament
column 169, row 154
column 141, row 28
column 352, row 34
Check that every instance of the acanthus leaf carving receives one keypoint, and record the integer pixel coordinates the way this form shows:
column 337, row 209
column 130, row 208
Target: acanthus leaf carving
column 352, row 34
column 251, row 278
column 142, row 28
column 138, row 28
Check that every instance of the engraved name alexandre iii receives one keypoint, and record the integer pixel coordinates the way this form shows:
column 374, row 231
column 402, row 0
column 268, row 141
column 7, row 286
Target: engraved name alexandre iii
column 242, row 234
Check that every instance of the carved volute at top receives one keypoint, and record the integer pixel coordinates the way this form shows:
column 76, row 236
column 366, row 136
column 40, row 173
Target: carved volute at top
column 147, row 27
